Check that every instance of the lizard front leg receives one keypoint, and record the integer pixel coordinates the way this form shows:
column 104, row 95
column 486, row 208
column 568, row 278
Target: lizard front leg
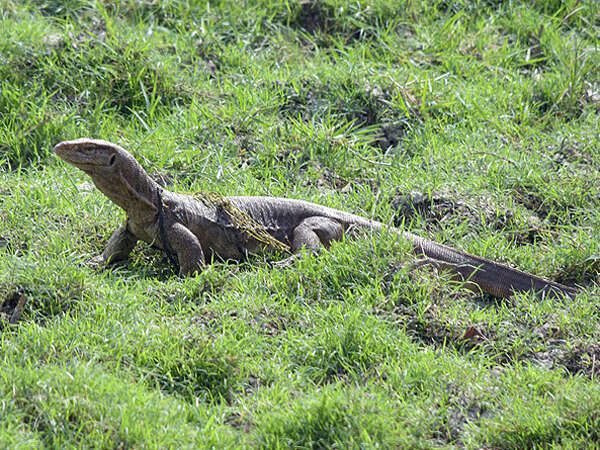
column 187, row 248
column 118, row 247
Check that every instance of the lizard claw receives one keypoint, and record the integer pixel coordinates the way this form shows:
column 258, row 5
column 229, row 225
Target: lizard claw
column 96, row 262
column 287, row 262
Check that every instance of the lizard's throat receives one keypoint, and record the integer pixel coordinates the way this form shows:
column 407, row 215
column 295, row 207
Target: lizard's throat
column 136, row 199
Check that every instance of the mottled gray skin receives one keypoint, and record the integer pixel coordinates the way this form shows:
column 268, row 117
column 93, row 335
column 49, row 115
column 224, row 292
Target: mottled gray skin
column 195, row 230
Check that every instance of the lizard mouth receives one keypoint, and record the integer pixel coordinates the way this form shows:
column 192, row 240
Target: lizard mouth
column 88, row 155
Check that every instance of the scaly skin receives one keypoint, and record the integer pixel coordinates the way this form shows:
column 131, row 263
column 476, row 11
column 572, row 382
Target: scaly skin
column 194, row 229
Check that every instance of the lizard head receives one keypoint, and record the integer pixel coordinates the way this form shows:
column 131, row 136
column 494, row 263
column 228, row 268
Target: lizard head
column 114, row 171
column 93, row 156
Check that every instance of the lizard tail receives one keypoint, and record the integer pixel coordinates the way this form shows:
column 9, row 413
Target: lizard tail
column 488, row 276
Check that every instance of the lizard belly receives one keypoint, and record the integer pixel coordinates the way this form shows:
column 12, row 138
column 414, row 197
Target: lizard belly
column 146, row 233
column 214, row 240
column 227, row 242
column 223, row 236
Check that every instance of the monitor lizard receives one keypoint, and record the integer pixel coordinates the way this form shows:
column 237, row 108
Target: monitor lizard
column 192, row 228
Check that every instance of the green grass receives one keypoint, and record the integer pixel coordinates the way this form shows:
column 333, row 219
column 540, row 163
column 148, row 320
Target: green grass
column 488, row 109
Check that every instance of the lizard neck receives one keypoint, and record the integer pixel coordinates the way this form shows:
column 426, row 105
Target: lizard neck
column 131, row 188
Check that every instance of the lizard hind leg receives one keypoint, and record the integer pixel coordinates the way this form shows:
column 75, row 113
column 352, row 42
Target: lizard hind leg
column 314, row 232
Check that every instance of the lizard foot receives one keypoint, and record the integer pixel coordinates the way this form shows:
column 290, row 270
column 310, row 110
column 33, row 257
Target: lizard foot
column 287, row 262
column 422, row 262
column 96, row 262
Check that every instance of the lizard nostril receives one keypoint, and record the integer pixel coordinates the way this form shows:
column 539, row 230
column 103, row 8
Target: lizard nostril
column 112, row 160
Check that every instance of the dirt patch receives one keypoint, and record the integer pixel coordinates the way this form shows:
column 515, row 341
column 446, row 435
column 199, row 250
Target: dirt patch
column 329, row 180
column 580, row 272
column 240, row 421
column 435, row 208
column 38, row 302
column 583, row 359
column 432, row 329
column 363, row 103
column 463, row 407
column 313, row 16
column 426, row 328
column 391, row 133
column 348, row 99
column 555, row 210
column 531, row 199
column 518, row 338
column 548, row 345
column 439, row 209
column 577, row 359
column 15, row 243
column 11, row 308
column 320, row 19
column 574, row 152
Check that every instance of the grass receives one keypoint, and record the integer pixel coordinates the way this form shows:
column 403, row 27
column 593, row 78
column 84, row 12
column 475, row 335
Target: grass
column 474, row 123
